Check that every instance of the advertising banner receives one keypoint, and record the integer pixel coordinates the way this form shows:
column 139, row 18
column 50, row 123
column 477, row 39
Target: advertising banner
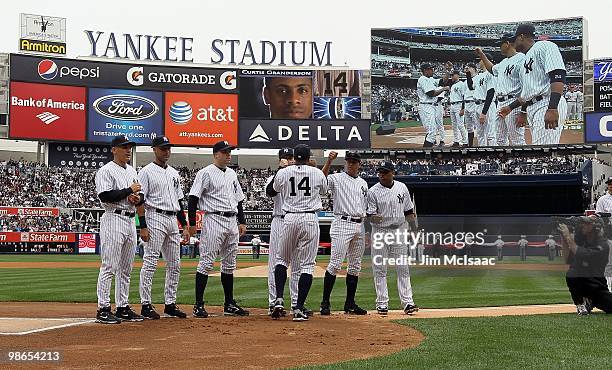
column 134, row 113
column 79, row 155
column 598, row 128
column 47, row 112
column 29, row 211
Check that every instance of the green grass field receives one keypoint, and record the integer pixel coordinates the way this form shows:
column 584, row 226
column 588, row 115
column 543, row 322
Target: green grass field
column 402, row 124
column 433, row 287
column 563, row 341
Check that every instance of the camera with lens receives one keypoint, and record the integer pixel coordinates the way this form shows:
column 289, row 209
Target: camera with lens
column 600, row 224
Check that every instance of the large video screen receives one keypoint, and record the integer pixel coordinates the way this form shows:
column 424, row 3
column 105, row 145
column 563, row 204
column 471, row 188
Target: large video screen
column 422, row 95
column 322, row 108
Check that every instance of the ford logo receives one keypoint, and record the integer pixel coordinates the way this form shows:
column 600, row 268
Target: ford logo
column 125, row 107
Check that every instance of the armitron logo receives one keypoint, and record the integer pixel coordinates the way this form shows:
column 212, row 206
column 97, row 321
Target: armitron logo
column 125, row 107
column 37, row 46
column 47, row 69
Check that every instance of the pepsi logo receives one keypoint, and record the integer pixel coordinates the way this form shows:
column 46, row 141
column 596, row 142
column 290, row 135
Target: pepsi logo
column 47, row 69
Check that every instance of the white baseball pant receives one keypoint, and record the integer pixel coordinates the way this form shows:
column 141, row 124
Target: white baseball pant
column 427, row 113
column 276, row 229
column 535, row 116
column 459, row 130
column 219, row 236
column 347, row 241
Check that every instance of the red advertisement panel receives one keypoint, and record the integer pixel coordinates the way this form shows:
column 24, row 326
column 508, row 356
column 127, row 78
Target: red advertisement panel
column 18, row 237
column 29, row 211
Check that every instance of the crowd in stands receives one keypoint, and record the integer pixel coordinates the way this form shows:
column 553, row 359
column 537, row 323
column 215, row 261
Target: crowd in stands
column 35, row 185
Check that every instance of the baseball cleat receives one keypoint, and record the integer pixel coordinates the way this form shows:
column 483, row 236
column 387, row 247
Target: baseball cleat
column 148, row 312
column 325, row 309
column 199, row 312
column 588, row 304
column 105, row 316
column 299, row 315
column 383, row 311
column 582, row 310
column 354, row 310
column 172, row 310
column 127, row 314
column 410, row 309
column 307, row 311
column 278, row 309
column 232, row 309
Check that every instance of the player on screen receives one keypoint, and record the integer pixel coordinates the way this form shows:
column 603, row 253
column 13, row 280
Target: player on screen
column 288, row 97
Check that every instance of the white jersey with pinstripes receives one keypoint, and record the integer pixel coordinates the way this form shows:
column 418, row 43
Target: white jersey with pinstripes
column 161, row 187
column 300, row 187
column 457, row 91
column 349, row 194
column 389, row 203
column 112, row 176
column 604, row 204
column 482, row 83
column 508, row 73
column 218, row 190
column 425, row 85
column 277, row 210
column 542, row 58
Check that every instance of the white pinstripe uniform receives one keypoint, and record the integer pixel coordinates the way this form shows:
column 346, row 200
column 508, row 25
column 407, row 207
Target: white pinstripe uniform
column 572, row 99
column 218, row 191
column 390, row 203
column 542, row 58
column 457, row 92
column 276, row 230
column 117, row 235
column 439, row 111
column 427, row 110
column 604, row 205
column 162, row 190
column 470, row 115
column 300, row 188
column 579, row 104
column 482, row 83
column 507, row 89
column 347, row 237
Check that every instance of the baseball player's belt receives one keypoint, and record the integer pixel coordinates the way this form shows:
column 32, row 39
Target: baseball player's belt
column 281, row 216
column 479, row 101
column 224, row 214
column 456, row 102
column 469, row 101
column 167, row 213
column 352, row 219
column 502, row 98
column 532, row 101
column 124, row 212
column 304, row 212
column 434, row 104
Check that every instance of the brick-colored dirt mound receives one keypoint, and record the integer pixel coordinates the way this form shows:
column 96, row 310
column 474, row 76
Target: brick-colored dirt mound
column 216, row 342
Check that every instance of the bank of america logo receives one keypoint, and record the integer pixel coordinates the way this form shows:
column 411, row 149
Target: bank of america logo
column 47, row 117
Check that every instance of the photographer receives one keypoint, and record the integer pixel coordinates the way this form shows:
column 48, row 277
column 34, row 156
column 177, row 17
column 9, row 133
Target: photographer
column 586, row 252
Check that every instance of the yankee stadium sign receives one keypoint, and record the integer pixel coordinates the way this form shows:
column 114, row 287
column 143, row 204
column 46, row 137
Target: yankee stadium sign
column 228, row 51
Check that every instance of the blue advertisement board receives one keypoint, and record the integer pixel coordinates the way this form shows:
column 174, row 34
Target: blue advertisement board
column 598, row 128
column 137, row 114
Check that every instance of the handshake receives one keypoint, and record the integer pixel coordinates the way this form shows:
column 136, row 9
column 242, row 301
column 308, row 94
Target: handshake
column 134, row 198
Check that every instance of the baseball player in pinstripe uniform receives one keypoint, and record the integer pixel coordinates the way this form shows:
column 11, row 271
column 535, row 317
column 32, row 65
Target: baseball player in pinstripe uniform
column 604, row 205
column 542, row 81
column 484, row 91
column 390, row 209
column 579, row 104
column 217, row 192
column 117, row 187
column 300, row 187
column 285, row 157
column 348, row 192
column 428, row 102
column 470, row 115
column 571, row 96
column 508, row 88
column 161, row 186
column 457, row 110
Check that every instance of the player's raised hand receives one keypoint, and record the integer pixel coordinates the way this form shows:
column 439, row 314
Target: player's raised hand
column 551, row 119
column 448, row 65
column 479, row 52
column 332, row 156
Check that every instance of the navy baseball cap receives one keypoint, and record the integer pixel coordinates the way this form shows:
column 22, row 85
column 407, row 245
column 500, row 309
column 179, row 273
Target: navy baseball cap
column 222, row 146
column 160, row 141
column 455, row 72
column 121, row 140
column 609, row 180
column 301, row 152
column 385, row 166
column 353, row 156
column 425, row 66
column 525, row 29
column 506, row 37
column 285, row 153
